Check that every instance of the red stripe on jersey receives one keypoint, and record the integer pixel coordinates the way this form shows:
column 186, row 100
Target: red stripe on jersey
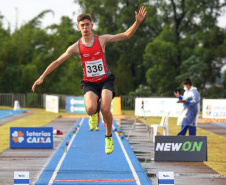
column 93, row 62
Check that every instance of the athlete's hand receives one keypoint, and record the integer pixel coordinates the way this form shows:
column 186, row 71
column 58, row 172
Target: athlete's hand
column 37, row 82
column 177, row 94
column 141, row 15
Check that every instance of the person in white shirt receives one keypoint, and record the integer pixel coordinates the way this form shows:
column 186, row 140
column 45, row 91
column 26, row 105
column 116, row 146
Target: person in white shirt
column 190, row 108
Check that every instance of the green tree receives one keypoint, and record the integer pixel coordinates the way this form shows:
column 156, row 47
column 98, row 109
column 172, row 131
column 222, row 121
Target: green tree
column 142, row 90
column 66, row 78
column 18, row 52
column 25, row 54
column 208, row 58
column 181, row 48
column 4, row 36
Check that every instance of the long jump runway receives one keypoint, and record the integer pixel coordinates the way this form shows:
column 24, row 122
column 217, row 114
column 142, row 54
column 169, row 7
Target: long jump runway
column 85, row 161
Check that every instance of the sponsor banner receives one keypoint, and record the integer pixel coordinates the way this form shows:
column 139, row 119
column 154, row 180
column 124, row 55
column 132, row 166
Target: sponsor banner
column 214, row 108
column 75, row 105
column 31, row 137
column 180, row 148
column 116, row 106
column 21, row 178
column 158, row 106
column 52, row 103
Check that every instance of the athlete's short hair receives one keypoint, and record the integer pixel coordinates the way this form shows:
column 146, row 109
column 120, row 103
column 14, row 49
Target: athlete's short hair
column 187, row 81
column 82, row 17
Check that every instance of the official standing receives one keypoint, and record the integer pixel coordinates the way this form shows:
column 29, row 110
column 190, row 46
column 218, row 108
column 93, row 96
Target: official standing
column 190, row 100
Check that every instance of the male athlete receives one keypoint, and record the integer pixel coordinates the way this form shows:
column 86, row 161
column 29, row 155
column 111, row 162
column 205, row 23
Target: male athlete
column 98, row 81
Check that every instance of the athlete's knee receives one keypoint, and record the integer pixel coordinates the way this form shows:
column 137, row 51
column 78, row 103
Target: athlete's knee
column 105, row 110
column 91, row 110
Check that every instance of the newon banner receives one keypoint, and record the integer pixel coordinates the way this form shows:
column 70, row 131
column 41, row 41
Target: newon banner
column 180, row 148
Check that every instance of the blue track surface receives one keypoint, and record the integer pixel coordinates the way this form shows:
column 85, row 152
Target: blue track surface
column 86, row 160
column 7, row 113
column 220, row 124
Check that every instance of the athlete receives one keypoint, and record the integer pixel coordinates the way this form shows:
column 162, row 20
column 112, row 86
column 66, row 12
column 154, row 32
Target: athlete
column 98, row 81
column 95, row 118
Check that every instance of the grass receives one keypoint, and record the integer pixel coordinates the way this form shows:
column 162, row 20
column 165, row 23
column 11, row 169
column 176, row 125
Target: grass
column 38, row 119
column 216, row 144
column 128, row 112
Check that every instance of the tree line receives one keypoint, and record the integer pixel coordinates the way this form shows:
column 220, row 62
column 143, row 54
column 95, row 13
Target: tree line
column 178, row 39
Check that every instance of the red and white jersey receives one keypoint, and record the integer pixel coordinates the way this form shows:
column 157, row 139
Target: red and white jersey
column 93, row 61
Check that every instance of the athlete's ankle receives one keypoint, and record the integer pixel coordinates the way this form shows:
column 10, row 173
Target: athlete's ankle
column 108, row 135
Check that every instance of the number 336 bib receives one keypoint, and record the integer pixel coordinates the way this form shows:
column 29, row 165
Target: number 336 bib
column 94, row 68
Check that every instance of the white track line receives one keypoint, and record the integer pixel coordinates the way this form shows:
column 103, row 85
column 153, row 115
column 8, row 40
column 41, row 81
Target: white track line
column 128, row 159
column 64, row 155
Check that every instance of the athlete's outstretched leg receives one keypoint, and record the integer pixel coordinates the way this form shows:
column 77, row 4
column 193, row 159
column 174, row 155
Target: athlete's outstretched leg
column 98, row 114
column 106, row 98
column 105, row 107
column 90, row 99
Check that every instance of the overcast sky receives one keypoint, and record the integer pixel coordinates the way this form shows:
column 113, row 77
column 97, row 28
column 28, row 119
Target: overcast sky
column 28, row 9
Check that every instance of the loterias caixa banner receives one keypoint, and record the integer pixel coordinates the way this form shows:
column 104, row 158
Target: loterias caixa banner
column 180, row 148
column 31, row 137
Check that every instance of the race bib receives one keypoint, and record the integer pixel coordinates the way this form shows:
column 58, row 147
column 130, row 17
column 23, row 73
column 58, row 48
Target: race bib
column 94, row 68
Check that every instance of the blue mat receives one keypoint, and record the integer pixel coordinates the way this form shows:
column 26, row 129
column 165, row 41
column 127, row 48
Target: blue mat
column 220, row 124
column 87, row 162
column 7, row 113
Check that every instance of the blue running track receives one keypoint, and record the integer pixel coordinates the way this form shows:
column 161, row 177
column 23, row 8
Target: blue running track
column 220, row 124
column 86, row 163
column 7, row 113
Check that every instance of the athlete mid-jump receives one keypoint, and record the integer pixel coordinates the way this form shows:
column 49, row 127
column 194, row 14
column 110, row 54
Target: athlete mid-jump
column 98, row 81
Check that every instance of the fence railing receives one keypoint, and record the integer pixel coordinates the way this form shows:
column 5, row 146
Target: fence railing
column 128, row 102
column 38, row 100
column 28, row 100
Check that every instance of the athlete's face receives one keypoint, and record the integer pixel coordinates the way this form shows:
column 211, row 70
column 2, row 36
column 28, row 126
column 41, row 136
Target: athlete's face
column 85, row 27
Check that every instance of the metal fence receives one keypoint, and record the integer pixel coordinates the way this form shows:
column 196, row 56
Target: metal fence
column 28, row 100
column 38, row 100
column 128, row 102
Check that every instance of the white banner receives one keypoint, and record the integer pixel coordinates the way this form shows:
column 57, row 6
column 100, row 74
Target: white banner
column 21, row 178
column 52, row 103
column 214, row 108
column 157, row 106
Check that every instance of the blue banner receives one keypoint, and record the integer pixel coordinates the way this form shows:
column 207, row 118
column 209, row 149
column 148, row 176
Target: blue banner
column 75, row 105
column 31, row 137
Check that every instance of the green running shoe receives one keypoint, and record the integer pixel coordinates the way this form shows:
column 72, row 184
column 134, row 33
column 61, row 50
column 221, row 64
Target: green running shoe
column 92, row 122
column 109, row 147
column 97, row 128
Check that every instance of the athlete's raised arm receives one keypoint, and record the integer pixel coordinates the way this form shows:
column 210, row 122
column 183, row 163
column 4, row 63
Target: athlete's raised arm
column 128, row 33
column 70, row 51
